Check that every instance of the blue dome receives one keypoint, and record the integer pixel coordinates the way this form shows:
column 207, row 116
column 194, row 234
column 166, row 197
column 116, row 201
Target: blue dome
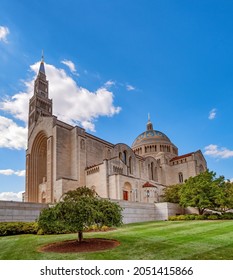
column 150, row 136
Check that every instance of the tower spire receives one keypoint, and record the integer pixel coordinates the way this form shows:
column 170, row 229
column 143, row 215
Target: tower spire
column 42, row 68
column 40, row 104
column 149, row 125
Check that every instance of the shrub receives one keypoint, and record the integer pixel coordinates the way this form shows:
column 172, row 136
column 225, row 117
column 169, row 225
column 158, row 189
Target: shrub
column 213, row 217
column 199, row 217
column 227, row 216
column 190, row 217
column 172, row 218
column 104, row 228
column 14, row 228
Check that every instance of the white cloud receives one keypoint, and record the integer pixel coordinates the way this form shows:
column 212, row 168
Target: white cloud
column 130, row 87
column 4, row 31
column 9, row 172
column 70, row 65
column 109, row 83
column 11, row 135
column 71, row 103
column 212, row 114
column 11, row 196
column 218, row 152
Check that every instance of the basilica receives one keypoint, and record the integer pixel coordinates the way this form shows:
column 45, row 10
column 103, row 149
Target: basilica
column 61, row 157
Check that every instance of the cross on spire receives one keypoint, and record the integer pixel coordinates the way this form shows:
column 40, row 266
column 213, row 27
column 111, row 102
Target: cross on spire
column 149, row 125
column 42, row 56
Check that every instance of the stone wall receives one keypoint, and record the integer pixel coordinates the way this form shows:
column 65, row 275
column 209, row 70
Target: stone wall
column 141, row 212
column 132, row 211
column 11, row 211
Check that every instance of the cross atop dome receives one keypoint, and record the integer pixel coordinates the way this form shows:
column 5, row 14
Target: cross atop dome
column 149, row 125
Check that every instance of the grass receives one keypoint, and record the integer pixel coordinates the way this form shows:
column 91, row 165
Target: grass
column 183, row 240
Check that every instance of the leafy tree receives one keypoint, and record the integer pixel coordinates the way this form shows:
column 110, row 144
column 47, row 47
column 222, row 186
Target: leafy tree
column 171, row 193
column 203, row 191
column 82, row 208
column 77, row 193
column 225, row 197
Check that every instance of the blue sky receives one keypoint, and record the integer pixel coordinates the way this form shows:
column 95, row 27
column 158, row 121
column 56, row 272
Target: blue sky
column 115, row 62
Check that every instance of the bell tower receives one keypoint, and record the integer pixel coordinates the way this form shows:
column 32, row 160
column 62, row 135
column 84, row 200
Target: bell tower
column 40, row 104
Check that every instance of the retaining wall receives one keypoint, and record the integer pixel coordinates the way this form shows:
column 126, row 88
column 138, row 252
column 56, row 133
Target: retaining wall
column 132, row 211
column 12, row 211
column 141, row 212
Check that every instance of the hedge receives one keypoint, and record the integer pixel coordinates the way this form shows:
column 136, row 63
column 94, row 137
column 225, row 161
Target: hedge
column 215, row 216
column 14, row 228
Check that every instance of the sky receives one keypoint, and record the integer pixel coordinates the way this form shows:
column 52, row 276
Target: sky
column 109, row 64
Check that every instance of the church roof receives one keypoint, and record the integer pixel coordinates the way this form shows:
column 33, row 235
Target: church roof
column 148, row 185
column 182, row 156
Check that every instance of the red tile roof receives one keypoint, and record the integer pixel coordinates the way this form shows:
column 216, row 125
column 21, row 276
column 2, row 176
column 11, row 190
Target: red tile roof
column 182, row 156
column 148, row 184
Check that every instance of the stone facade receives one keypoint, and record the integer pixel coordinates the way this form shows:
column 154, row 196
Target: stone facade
column 61, row 157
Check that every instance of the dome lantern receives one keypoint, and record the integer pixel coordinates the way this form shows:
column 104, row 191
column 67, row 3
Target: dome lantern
column 149, row 125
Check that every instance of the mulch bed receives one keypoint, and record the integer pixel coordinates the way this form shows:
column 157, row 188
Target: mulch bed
column 88, row 245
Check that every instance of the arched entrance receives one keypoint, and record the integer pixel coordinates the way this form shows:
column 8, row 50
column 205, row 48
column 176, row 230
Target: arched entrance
column 127, row 191
column 38, row 168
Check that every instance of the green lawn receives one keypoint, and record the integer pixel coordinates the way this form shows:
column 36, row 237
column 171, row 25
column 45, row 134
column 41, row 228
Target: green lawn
column 183, row 240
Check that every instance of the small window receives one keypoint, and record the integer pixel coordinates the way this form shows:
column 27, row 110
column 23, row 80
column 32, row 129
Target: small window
column 181, row 179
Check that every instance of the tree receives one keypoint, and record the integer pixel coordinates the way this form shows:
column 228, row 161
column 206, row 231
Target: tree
column 77, row 193
column 171, row 193
column 82, row 208
column 225, row 197
column 203, row 191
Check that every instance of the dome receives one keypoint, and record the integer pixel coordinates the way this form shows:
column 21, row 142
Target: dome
column 150, row 136
column 151, row 142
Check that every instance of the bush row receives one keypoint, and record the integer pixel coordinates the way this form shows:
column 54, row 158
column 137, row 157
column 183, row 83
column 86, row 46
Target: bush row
column 13, row 228
column 224, row 216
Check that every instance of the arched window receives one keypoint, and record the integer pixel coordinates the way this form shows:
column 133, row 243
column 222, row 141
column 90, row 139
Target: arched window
column 130, row 165
column 124, row 159
column 181, row 179
column 149, row 171
column 152, row 171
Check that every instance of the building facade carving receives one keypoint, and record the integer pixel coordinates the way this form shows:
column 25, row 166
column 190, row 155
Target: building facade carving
column 61, row 157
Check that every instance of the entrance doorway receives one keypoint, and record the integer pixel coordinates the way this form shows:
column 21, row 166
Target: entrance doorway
column 125, row 195
column 127, row 191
